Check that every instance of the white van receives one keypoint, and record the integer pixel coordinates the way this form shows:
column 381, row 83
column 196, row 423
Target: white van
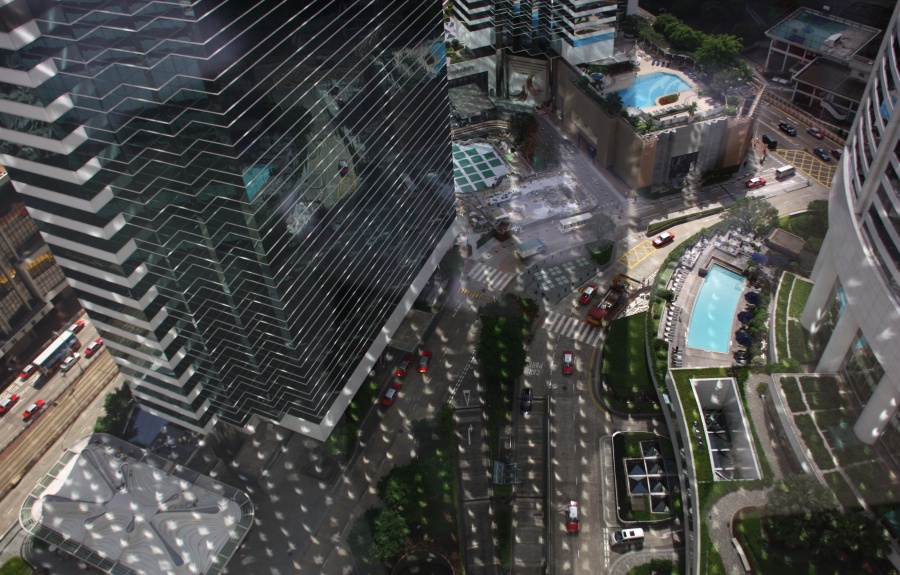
column 784, row 172
column 632, row 535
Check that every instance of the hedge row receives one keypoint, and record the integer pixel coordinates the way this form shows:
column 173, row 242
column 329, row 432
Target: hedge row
column 666, row 224
column 792, row 394
column 814, row 441
column 797, row 339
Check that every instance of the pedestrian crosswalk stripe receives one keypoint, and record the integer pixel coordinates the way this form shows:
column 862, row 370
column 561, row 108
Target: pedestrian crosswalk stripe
column 490, row 276
column 476, row 295
column 575, row 328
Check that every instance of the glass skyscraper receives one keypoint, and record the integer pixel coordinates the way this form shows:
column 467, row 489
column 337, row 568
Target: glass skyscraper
column 246, row 195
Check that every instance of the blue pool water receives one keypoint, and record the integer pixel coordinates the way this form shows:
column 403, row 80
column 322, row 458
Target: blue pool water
column 646, row 89
column 714, row 310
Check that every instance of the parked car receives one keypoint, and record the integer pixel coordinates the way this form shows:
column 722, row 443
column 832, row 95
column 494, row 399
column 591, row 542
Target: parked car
column 770, row 142
column 391, row 394
column 756, row 182
column 404, row 366
column 787, row 129
column 568, row 363
column 631, row 535
column 424, row 361
column 69, row 362
column 77, row 326
column 816, row 132
column 94, row 347
column 33, row 409
column 572, row 517
column 27, row 371
column 587, row 294
column 837, row 153
column 663, row 238
column 526, row 401
column 7, row 403
column 823, row 154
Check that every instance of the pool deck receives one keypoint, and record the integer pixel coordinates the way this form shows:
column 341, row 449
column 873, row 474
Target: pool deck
column 686, row 283
column 648, row 67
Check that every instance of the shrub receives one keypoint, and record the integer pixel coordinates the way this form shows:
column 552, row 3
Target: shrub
column 668, row 99
column 792, row 394
column 15, row 566
column 814, row 441
column 666, row 294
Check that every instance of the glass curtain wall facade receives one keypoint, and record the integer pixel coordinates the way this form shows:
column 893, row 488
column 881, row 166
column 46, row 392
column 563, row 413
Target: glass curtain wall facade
column 860, row 258
column 243, row 193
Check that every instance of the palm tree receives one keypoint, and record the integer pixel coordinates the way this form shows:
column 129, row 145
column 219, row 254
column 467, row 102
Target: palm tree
column 691, row 108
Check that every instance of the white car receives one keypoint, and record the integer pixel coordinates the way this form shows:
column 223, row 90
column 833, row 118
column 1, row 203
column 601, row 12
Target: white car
column 626, row 536
column 69, row 362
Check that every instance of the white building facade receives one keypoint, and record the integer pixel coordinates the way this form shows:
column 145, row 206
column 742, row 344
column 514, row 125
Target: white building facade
column 854, row 310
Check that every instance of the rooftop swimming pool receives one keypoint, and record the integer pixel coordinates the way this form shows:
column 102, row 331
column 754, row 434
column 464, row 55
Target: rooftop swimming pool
column 714, row 310
column 646, row 89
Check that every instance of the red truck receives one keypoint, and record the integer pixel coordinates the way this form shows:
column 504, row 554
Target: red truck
column 611, row 304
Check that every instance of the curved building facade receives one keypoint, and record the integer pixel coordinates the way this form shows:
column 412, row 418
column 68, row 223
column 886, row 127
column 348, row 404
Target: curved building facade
column 854, row 310
column 243, row 193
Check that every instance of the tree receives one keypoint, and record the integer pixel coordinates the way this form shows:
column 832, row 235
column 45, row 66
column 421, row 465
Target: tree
column 116, row 409
column 614, row 103
column 389, row 533
column 522, row 127
column 792, row 507
column 393, row 490
column 752, row 213
column 501, row 344
column 663, row 21
column 683, row 37
column 692, row 108
column 547, row 151
column 602, row 225
column 718, row 52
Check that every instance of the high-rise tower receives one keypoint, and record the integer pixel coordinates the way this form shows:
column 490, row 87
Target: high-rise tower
column 854, row 308
column 243, row 193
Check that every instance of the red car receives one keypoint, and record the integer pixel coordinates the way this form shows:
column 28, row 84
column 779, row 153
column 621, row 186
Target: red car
column 756, row 182
column 77, row 326
column 424, row 361
column 7, row 402
column 572, row 517
column 568, row 363
column 588, row 294
column 663, row 239
column 391, row 394
column 94, row 347
column 404, row 365
column 33, row 409
column 816, row 132
column 27, row 371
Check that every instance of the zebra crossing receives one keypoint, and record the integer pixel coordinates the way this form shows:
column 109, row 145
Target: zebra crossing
column 575, row 328
column 490, row 276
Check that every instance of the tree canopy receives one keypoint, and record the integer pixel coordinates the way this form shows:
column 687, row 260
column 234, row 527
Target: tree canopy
column 801, row 513
column 719, row 52
column 501, row 345
column 522, row 127
column 752, row 213
column 602, row 225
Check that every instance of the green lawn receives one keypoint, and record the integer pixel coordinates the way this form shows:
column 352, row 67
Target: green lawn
column 781, row 315
column 814, row 441
column 799, row 296
column 842, row 491
column 625, row 366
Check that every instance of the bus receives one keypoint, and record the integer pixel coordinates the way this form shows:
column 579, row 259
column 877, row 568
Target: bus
column 574, row 223
column 56, row 352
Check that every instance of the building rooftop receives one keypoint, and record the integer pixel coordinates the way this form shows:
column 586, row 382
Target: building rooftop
column 821, row 32
column 785, row 242
column 124, row 510
column 832, row 77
